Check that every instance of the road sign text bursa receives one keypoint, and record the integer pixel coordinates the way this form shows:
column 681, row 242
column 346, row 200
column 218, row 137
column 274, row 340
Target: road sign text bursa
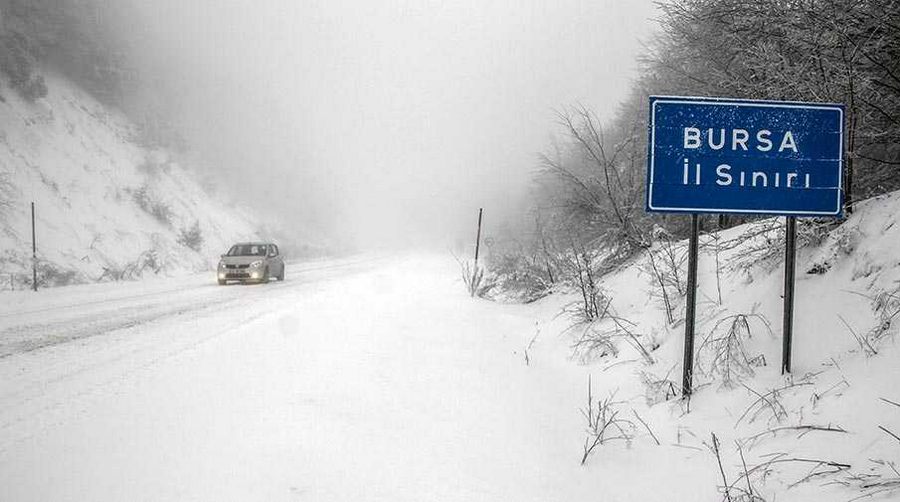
column 711, row 155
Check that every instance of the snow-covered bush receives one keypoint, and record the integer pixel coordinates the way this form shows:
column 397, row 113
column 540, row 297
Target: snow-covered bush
column 51, row 275
column 473, row 276
column 519, row 276
column 592, row 342
column 6, row 192
column 659, row 389
column 148, row 261
column 581, row 271
column 152, row 206
column 886, row 306
column 724, row 351
column 191, row 237
column 604, row 423
column 663, row 263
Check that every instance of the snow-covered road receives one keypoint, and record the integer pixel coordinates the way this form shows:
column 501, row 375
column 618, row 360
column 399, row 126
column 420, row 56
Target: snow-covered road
column 29, row 322
column 372, row 379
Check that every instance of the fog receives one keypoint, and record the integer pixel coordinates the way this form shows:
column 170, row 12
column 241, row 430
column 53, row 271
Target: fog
column 382, row 123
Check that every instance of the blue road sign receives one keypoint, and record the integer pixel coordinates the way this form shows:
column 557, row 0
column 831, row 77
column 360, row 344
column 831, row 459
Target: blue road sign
column 709, row 155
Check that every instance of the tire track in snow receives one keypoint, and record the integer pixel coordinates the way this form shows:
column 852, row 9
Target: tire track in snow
column 119, row 313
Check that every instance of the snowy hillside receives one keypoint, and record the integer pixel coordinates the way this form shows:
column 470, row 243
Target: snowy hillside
column 107, row 208
column 826, row 432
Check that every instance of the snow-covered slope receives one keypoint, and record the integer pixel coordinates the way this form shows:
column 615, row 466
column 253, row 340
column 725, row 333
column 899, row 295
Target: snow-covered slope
column 824, row 432
column 106, row 207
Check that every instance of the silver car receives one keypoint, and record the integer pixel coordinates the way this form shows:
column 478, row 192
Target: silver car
column 251, row 262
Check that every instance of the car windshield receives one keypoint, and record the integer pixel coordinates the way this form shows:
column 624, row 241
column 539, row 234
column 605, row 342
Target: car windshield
column 247, row 250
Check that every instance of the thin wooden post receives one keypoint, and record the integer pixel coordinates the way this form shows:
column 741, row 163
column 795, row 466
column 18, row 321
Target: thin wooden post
column 478, row 237
column 476, row 278
column 34, row 285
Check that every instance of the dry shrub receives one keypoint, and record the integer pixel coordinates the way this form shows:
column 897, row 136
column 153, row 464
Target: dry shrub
column 604, row 423
column 148, row 261
column 191, row 237
column 659, row 389
column 520, row 276
column 664, row 266
column 159, row 210
column 724, row 349
column 762, row 241
column 886, row 305
column 52, row 275
column 581, row 272
column 473, row 276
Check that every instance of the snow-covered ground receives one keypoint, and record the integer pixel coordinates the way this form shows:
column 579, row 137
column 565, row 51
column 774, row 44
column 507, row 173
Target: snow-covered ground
column 815, row 434
column 376, row 381
column 380, row 379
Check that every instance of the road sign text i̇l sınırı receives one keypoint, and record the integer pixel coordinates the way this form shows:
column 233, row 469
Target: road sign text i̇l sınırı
column 712, row 155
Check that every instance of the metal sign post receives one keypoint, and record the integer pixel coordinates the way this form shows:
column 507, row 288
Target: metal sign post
column 690, row 308
column 716, row 155
column 790, row 255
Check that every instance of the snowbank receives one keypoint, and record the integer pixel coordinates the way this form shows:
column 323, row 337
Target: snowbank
column 821, row 433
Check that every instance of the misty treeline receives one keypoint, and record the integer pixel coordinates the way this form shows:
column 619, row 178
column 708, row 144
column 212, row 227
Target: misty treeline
column 587, row 213
column 90, row 43
column 67, row 35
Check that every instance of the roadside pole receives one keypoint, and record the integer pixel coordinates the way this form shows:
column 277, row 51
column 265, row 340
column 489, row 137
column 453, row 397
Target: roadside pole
column 478, row 237
column 690, row 308
column 33, row 252
column 790, row 257
column 474, row 278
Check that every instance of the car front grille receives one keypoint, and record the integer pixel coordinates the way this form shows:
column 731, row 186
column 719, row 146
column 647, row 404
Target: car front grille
column 237, row 275
column 237, row 266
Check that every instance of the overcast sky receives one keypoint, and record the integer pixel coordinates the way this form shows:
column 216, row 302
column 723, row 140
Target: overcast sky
column 385, row 122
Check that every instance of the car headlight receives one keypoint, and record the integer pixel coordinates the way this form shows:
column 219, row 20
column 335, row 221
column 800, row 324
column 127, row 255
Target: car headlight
column 221, row 264
column 257, row 263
